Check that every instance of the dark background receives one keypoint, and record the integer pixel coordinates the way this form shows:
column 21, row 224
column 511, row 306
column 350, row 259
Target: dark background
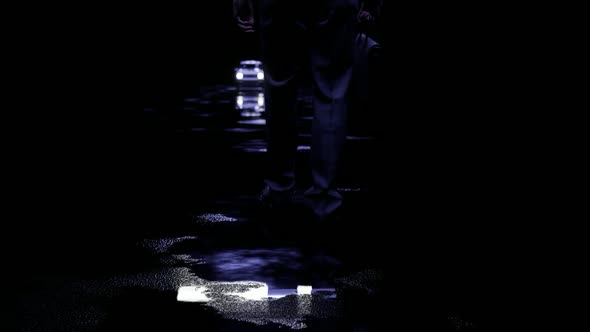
column 192, row 45
column 447, row 126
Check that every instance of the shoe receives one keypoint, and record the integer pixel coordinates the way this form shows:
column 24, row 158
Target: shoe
column 325, row 207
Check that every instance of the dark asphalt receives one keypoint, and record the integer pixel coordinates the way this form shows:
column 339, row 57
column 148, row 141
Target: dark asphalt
column 196, row 251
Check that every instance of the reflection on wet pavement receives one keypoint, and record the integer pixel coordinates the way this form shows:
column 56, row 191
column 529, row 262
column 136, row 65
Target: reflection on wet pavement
column 255, row 122
column 251, row 301
column 221, row 261
column 277, row 267
column 250, row 104
column 164, row 245
column 271, row 294
column 213, row 218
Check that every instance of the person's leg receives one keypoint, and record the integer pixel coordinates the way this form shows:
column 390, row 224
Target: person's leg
column 280, row 48
column 331, row 59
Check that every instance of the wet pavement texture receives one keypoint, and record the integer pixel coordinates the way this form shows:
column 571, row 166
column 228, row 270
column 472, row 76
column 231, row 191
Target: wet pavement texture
column 198, row 253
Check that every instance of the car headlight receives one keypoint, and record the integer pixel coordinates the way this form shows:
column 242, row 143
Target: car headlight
column 239, row 75
column 260, row 76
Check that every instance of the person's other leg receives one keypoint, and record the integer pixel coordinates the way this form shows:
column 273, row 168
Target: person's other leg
column 281, row 48
column 331, row 58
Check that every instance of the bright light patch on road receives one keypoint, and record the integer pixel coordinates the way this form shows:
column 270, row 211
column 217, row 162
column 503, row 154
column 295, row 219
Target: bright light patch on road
column 247, row 290
column 303, row 290
column 254, row 293
column 192, row 294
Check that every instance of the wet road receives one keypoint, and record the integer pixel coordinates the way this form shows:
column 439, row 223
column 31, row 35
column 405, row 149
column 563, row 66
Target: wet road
column 201, row 255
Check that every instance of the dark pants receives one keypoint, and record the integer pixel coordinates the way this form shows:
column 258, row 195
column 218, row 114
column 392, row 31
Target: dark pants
column 322, row 33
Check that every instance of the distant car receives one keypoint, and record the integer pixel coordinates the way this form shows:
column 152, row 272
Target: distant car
column 249, row 74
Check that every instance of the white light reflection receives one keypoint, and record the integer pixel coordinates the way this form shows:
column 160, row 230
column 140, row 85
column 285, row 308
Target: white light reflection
column 247, row 290
column 192, row 294
column 258, row 122
column 260, row 99
column 303, row 290
column 254, row 293
column 254, row 302
column 304, row 304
